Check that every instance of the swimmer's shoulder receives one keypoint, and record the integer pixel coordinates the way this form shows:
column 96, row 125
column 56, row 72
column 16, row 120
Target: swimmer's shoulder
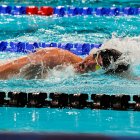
column 49, row 49
column 52, row 51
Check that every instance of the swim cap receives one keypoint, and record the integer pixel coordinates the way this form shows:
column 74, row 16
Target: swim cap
column 114, row 61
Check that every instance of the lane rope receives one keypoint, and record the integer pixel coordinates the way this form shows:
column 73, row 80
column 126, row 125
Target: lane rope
column 68, row 11
column 27, row 47
column 63, row 100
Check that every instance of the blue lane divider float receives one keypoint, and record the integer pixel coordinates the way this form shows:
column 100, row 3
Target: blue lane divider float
column 27, row 47
column 68, row 11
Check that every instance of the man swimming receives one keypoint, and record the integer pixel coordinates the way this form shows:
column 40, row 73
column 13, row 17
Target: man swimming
column 36, row 65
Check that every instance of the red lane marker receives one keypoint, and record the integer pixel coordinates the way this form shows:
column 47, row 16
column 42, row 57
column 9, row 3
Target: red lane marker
column 46, row 10
column 32, row 10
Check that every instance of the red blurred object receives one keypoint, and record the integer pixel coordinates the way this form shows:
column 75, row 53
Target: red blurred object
column 45, row 10
column 32, row 10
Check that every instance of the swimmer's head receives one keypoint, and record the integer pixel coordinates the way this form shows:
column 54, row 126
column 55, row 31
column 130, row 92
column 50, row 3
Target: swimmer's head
column 112, row 61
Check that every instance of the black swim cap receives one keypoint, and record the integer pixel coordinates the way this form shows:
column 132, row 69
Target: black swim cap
column 110, row 56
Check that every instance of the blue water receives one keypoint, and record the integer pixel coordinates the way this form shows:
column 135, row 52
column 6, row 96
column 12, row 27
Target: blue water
column 73, row 29
column 64, row 29
column 80, row 3
column 72, row 121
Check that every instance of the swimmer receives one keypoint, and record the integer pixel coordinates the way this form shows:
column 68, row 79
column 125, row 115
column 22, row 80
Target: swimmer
column 37, row 64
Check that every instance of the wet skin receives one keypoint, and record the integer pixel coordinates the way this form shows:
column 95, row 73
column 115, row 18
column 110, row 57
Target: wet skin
column 48, row 58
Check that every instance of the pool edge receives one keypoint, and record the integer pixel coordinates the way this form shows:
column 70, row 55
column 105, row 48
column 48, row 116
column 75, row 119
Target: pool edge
column 60, row 136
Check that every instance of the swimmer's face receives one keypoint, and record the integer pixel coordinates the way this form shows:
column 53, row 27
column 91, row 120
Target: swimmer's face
column 98, row 59
column 90, row 63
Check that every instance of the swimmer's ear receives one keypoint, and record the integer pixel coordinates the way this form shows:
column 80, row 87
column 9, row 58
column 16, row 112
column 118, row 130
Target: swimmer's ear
column 82, row 66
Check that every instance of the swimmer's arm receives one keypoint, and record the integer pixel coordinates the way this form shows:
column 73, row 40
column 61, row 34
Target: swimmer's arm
column 49, row 57
column 12, row 68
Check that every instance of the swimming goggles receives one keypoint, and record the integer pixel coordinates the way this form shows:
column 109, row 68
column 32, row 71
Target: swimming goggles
column 95, row 56
column 101, row 66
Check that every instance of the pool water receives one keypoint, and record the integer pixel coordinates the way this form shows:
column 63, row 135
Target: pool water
column 106, row 122
column 120, row 32
column 79, row 3
column 91, row 29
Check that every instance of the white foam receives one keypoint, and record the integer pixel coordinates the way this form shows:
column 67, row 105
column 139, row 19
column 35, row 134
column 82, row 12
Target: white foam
column 60, row 73
column 129, row 45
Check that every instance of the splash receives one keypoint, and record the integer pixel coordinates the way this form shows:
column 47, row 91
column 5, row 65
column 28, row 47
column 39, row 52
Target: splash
column 60, row 73
column 127, row 45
